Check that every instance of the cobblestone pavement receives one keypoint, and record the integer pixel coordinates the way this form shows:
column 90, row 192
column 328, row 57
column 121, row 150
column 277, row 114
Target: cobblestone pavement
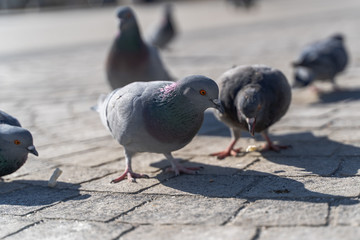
column 51, row 72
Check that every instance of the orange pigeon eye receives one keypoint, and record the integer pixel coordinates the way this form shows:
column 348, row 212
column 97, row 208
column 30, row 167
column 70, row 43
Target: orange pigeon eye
column 17, row 142
column 202, row 92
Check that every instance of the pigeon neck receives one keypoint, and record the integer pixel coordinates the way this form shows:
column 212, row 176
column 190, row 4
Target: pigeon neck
column 129, row 40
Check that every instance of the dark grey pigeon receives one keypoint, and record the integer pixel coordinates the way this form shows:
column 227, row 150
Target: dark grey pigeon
column 157, row 116
column 131, row 59
column 253, row 97
column 321, row 60
column 242, row 3
column 15, row 144
column 165, row 32
column 7, row 119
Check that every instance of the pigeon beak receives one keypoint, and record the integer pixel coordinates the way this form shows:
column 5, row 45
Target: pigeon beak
column 32, row 150
column 218, row 105
column 251, row 124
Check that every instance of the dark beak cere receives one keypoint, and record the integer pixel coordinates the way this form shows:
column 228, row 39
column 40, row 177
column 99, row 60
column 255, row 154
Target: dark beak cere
column 218, row 105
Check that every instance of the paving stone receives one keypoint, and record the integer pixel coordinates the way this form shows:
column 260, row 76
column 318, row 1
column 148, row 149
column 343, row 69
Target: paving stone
column 199, row 232
column 203, row 185
column 26, row 200
column 295, row 166
column 305, row 233
column 345, row 212
column 32, row 166
column 274, row 187
column 93, row 207
column 350, row 166
column 10, row 186
column 350, row 149
column 184, row 210
column 11, row 224
column 61, row 229
column 282, row 213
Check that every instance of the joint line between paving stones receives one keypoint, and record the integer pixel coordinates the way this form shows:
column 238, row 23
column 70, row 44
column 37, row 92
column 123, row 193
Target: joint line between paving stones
column 257, row 234
column 128, row 211
column 22, row 229
column 338, row 169
column 124, row 233
column 244, row 205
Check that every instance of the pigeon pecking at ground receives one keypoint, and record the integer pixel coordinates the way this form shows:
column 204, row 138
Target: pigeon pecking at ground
column 253, row 97
column 130, row 58
column 165, row 32
column 321, row 60
column 158, row 117
column 15, row 144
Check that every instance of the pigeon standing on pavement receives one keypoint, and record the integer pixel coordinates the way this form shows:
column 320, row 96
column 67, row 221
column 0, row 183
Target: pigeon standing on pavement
column 165, row 31
column 158, row 117
column 15, row 144
column 321, row 60
column 254, row 97
column 242, row 3
column 131, row 59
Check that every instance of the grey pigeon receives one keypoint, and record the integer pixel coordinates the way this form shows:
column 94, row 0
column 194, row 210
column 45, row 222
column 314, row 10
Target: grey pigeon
column 242, row 3
column 131, row 59
column 165, row 32
column 254, row 97
column 158, row 117
column 15, row 144
column 321, row 60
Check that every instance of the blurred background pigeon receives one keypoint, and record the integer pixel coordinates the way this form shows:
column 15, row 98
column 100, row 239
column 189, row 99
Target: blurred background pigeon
column 321, row 60
column 166, row 31
column 159, row 117
column 131, row 59
column 254, row 98
column 15, row 144
column 242, row 3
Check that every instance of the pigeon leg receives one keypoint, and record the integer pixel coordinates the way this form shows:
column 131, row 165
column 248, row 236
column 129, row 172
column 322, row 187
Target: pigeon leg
column 128, row 173
column 229, row 151
column 270, row 146
column 178, row 168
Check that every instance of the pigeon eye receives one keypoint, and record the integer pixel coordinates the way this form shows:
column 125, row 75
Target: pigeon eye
column 17, row 142
column 202, row 92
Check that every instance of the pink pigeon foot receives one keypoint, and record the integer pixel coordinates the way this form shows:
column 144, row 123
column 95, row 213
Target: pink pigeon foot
column 181, row 169
column 226, row 153
column 274, row 147
column 130, row 175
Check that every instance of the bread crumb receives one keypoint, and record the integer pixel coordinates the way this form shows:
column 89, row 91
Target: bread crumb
column 52, row 182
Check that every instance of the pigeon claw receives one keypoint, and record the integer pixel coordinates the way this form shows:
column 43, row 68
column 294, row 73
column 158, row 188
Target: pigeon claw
column 274, row 147
column 226, row 153
column 130, row 175
column 181, row 169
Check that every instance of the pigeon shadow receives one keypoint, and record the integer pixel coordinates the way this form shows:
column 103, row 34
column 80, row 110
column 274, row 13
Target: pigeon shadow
column 338, row 96
column 248, row 184
column 35, row 193
column 316, row 154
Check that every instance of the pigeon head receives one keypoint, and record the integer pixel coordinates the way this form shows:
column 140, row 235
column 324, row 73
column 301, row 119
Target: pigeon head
column 303, row 77
column 127, row 18
column 16, row 141
column 249, row 105
column 338, row 36
column 202, row 91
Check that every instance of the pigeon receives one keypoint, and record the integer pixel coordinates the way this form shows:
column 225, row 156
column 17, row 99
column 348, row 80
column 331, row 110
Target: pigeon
column 166, row 31
column 15, row 144
column 242, row 3
column 321, row 60
column 254, row 97
column 157, row 116
column 130, row 58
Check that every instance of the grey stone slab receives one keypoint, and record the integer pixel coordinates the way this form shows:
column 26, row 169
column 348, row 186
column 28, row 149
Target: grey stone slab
column 11, row 224
column 350, row 166
column 184, row 210
column 349, row 149
column 345, row 212
column 199, row 232
column 308, row 123
column 345, row 135
column 203, row 185
column 33, row 165
column 71, row 176
column 93, row 207
column 306, row 233
column 10, row 186
column 295, row 166
column 32, row 198
column 61, row 229
column 282, row 213
column 273, row 187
